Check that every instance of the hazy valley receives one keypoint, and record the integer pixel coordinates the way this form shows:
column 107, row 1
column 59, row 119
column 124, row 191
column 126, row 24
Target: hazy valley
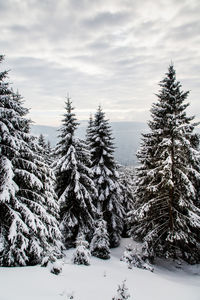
column 126, row 135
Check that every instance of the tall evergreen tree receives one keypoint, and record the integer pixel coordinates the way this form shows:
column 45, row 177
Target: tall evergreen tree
column 28, row 231
column 89, row 130
column 49, row 153
column 42, row 146
column 41, row 141
column 109, row 200
column 75, row 187
column 127, row 184
column 167, row 215
column 45, row 150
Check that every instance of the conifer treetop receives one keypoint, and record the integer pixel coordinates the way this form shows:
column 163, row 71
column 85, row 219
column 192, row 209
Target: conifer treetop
column 69, row 125
column 70, row 120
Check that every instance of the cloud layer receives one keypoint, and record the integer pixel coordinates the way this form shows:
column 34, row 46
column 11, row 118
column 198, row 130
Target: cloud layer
column 111, row 52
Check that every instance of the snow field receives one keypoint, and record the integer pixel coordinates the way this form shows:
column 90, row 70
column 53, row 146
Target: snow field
column 100, row 280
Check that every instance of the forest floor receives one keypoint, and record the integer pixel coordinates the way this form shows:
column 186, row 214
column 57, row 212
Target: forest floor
column 100, row 280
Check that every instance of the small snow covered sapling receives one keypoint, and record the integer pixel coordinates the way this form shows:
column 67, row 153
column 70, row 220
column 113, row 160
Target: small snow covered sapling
column 122, row 292
column 53, row 264
column 82, row 254
column 100, row 241
column 127, row 255
column 56, row 267
column 135, row 258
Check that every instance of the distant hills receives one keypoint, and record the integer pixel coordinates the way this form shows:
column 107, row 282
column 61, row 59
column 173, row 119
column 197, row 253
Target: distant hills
column 126, row 134
column 127, row 137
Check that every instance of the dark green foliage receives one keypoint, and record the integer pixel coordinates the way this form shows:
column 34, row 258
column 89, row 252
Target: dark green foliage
column 75, row 187
column 109, row 200
column 100, row 242
column 45, row 150
column 127, row 184
column 81, row 256
column 167, row 215
column 28, row 230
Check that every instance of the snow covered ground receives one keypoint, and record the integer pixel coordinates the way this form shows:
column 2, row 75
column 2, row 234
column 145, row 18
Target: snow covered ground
column 100, row 280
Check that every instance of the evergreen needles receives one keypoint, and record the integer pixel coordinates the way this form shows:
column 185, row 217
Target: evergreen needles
column 166, row 214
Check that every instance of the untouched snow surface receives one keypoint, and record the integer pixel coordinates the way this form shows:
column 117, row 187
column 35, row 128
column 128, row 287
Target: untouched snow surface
column 100, row 280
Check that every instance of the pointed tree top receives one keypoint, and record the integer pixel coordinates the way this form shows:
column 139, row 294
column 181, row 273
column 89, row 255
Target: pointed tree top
column 99, row 108
column 68, row 103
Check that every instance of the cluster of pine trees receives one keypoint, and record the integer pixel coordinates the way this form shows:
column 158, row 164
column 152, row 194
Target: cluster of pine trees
column 78, row 195
column 45, row 206
column 87, row 182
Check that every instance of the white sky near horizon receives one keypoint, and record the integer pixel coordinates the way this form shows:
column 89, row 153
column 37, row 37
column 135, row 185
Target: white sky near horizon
column 108, row 52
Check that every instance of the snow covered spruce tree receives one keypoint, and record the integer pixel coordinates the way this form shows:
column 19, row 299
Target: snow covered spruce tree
column 52, row 208
column 133, row 257
column 89, row 129
column 28, row 230
column 127, row 184
column 122, row 292
column 109, row 200
column 41, row 141
column 45, row 208
column 43, row 146
column 100, row 242
column 75, row 187
column 45, row 150
column 82, row 254
column 167, row 215
column 51, row 204
column 8, row 187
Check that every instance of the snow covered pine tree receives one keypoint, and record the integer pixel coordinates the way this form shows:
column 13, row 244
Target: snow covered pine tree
column 42, row 142
column 100, row 242
column 28, row 231
column 122, row 292
column 45, row 150
column 75, row 187
column 127, row 184
column 42, row 147
column 109, row 200
column 82, row 254
column 89, row 130
column 167, row 213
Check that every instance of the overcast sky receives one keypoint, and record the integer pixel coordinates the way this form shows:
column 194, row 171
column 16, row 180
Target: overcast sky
column 108, row 52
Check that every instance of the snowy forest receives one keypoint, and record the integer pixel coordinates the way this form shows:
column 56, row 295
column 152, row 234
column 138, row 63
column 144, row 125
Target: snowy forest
column 76, row 198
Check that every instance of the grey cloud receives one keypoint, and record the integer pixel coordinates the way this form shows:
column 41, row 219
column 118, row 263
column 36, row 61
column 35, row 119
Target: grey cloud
column 114, row 52
column 106, row 19
column 146, row 28
column 189, row 11
column 186, row 31
column 19, row 29
column 99, row 45
column 4, row 5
